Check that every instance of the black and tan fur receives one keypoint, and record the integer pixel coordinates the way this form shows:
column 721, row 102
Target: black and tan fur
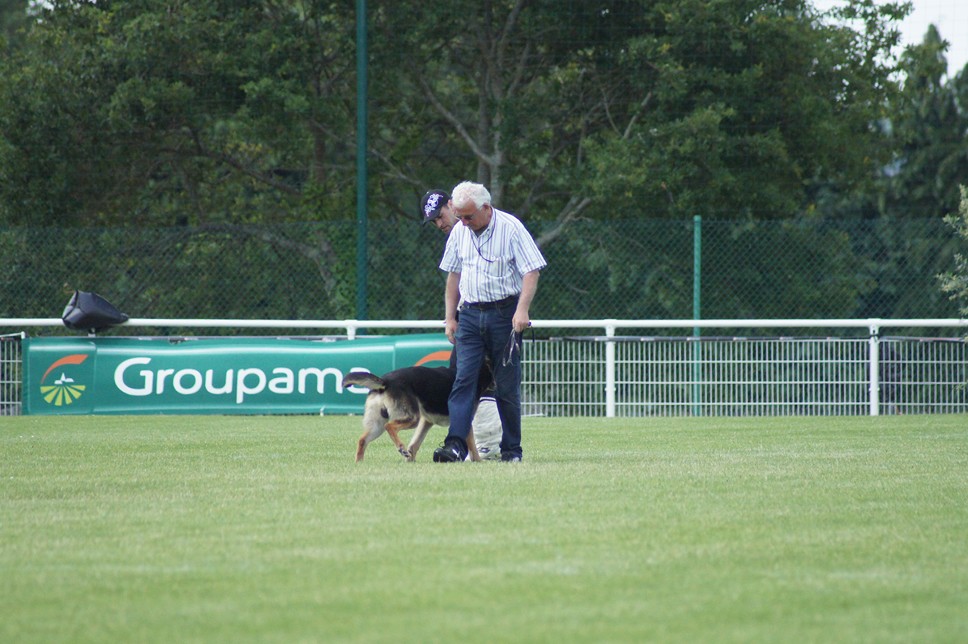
column 407, row 398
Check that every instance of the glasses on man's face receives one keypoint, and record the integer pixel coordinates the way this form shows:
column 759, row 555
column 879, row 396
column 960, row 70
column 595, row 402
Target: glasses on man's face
column 469, row 216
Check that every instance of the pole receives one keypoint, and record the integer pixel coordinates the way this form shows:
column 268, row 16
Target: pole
column 610, row 372
column 874, row 370
column 696, row 347
column 361, row 169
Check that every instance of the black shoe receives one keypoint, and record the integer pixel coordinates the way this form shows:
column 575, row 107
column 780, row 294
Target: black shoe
column 454, row 450
column 510, row 457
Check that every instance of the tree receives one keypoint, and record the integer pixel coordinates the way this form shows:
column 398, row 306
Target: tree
column 205, row 113
column 199, row 110
column 182, row 111
column 505, row 92
column 225, row 117
column 752, row 105
column 956, row 282
column 924, row 125
column 929, row 123
column 15, row 15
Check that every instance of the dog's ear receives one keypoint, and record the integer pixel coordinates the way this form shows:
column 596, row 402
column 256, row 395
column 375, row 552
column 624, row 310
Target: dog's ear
column 364, row 379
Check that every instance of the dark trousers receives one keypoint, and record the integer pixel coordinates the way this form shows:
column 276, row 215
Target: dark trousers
column 487, row 332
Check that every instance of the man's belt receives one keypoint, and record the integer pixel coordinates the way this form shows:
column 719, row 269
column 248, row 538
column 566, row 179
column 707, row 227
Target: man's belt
column 500, row 304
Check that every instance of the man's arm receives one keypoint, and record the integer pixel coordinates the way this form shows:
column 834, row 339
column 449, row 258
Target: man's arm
column 451, row 298
column 529, row 286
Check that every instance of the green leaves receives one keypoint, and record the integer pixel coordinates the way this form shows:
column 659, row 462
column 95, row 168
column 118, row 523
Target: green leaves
column 225, row 114
column 955, row 282
column 736, row 106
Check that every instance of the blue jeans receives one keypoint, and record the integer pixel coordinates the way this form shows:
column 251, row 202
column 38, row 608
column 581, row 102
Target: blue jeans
column 485, row 332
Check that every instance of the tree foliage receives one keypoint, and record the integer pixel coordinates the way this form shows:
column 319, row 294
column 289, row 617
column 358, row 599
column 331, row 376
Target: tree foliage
column 212, row 111
column 230, row 117
column 198, row 112
column 929, row 122
column 955, row 282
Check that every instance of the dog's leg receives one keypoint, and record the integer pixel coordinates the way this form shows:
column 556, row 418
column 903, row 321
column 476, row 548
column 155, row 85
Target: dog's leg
column 419, row 435
column 393, row 427
column 368, row 437
column 372, row 424
column 361, row 446
column 472, row 446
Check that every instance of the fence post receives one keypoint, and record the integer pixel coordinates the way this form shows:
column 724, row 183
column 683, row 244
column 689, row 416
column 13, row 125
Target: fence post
column 874, row 370
column 361, row 165
column 696, row 268
column 610, row 371
column 696, row 301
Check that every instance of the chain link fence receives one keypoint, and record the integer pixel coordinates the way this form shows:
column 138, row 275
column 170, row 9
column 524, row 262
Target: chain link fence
column 627, row 269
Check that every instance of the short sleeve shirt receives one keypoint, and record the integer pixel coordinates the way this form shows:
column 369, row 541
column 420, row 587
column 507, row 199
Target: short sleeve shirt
column 492, row 265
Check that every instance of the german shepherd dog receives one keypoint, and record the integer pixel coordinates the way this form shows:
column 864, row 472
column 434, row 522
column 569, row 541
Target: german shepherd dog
column 407, row 398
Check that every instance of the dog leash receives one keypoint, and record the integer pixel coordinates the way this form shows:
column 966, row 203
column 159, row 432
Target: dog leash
column 513, row 347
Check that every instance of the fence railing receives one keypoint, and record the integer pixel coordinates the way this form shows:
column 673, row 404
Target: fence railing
column 10, row 374
column 734, row 376
column 605, row 374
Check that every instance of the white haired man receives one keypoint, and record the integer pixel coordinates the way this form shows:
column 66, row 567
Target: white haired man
column 492, row 266
column 435, row 208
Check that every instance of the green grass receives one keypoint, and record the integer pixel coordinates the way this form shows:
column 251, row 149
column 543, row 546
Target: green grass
column 233, row 529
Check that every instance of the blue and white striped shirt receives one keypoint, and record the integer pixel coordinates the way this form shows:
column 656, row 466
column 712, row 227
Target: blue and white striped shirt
column 491, row 265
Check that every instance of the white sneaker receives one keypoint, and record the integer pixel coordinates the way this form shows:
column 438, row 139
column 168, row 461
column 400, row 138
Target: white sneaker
column 492, row 453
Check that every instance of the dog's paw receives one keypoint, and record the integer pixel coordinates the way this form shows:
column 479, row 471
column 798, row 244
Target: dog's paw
column 406, row 453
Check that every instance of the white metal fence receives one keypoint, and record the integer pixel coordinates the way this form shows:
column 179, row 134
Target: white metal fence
column 10, row 378
column 685, row 376
column 612, row 375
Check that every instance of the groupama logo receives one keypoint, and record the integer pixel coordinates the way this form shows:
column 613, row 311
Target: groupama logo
column 443, row 356
column 139, row 377
column 143, row 377
column 63, row 391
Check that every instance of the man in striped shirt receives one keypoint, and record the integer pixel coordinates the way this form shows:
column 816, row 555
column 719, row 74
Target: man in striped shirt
column 493, row 266
column 435, row 208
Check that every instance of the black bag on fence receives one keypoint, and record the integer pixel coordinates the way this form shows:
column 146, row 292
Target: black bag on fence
column 91, row 312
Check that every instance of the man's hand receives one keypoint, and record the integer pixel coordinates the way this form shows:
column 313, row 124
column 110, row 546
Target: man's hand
column 450, row 328
column 522, row 317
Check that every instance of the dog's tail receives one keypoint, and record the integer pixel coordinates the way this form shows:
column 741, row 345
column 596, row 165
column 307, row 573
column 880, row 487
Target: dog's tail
column 364, row 379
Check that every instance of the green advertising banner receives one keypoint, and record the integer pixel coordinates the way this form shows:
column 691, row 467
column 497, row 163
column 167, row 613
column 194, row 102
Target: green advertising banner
column 212, row 375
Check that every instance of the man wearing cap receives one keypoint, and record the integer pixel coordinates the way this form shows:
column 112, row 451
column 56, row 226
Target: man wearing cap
column 435, row 207
column 492, row 266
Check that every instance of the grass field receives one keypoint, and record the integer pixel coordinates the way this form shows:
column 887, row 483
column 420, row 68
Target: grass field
column 234, row 529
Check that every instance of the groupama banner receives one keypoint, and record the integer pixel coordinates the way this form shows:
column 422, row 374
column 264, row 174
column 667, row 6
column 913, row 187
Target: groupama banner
column 212, row 375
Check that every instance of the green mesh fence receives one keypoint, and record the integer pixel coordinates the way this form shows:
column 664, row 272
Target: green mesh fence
column 638, row 269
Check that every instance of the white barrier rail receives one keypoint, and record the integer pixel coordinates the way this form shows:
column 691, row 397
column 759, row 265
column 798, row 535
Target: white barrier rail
column 610, row 327
column 606, row 324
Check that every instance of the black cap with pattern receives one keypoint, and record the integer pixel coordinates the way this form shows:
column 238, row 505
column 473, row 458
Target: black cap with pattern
column 431, row 204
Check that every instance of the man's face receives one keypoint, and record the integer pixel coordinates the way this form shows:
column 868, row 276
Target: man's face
column 476, row 219
column 445, row 222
